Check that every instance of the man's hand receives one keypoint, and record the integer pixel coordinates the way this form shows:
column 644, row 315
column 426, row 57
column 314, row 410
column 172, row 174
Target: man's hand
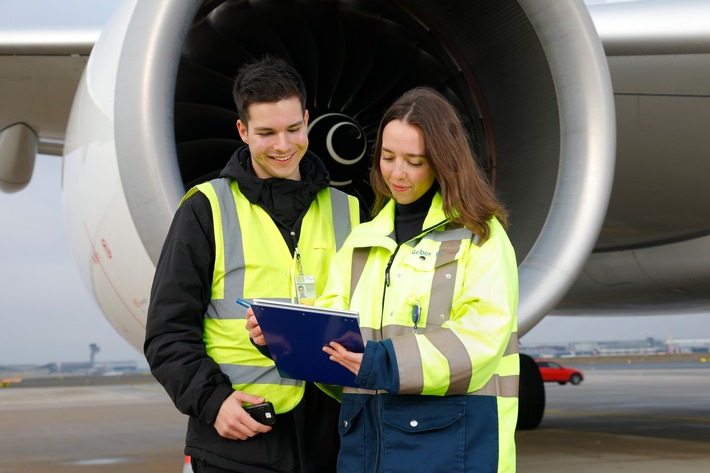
column 254, row 330
column 348, row 359
column 233, row 422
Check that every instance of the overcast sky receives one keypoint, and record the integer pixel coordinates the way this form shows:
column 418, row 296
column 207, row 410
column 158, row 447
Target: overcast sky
column 47, row 314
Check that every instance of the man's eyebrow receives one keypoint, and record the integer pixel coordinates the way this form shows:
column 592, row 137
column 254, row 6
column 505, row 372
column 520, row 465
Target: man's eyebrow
column 267, row 128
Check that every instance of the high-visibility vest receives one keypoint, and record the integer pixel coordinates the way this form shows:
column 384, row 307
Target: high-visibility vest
column 252, row 260
column 465, row 294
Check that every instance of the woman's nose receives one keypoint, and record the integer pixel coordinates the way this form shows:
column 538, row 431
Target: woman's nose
column 398, row 170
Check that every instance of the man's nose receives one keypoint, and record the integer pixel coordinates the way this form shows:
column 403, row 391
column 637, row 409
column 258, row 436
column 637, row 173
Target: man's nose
column 282, row 142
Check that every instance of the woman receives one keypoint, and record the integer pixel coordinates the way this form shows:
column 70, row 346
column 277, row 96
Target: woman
column 434, row 279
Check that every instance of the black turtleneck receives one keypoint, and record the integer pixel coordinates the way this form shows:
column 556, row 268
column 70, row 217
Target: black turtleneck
column 409, row 218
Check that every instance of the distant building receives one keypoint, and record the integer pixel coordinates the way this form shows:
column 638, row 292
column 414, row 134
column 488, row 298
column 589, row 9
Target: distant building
column 27, row 371
column 67, row 368
column 647, row 346
column 97, row 367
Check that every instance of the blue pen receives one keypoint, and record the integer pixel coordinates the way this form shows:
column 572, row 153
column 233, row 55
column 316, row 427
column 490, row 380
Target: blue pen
column 243, row 303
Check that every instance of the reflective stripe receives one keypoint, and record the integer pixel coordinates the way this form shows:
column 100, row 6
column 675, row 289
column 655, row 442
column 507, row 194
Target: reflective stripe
column 351, row 390
column 231, row 281
column 340, row 208
column 245, row 374
column 216, row 309
column 501, row 386
column 458, row 358
column 234, row 252
column 392, row 330
column 357, row 265
column 369, row 333
column 444, row 282
column 446, row 235
column 218, row 272
column 409, row 362
column 512, row 347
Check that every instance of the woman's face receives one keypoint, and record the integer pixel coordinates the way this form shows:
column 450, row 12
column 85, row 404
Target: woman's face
column 403, row 162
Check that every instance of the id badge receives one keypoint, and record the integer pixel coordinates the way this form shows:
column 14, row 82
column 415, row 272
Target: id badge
column 306, row 289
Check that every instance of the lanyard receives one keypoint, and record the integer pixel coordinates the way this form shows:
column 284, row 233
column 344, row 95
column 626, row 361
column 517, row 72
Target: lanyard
column 297, row 254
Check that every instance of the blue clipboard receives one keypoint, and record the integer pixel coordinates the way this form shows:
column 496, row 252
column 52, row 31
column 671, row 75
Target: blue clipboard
column 296, row 334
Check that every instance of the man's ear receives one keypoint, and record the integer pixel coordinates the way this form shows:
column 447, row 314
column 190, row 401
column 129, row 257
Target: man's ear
column 305, row 117
column 242, row 129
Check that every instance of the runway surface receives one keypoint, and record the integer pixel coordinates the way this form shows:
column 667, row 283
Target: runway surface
column 633, row 420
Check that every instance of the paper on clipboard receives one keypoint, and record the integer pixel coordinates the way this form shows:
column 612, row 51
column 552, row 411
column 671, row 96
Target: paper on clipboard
column 296, row 334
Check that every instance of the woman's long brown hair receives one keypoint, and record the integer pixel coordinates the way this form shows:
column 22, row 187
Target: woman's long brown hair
column 468, row 197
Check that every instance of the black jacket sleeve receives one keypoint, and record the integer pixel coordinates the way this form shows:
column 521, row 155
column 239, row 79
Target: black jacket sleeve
column 180, row 294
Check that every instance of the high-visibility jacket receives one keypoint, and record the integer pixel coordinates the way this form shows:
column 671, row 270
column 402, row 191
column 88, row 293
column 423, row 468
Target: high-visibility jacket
column 253, row 260
column 441, row 395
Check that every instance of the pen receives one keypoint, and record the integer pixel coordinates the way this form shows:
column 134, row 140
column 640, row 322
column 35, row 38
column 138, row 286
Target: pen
column 243, row 303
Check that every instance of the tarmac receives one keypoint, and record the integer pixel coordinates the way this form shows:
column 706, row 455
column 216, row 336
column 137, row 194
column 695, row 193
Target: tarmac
column 650, row 419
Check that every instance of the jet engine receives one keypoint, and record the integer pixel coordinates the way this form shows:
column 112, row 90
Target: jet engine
column 154, row 115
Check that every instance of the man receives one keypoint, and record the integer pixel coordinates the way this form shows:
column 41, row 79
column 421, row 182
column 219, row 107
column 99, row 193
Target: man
column 268, row 224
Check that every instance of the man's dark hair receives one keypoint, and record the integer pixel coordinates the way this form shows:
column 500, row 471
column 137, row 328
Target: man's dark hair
column 267, row 80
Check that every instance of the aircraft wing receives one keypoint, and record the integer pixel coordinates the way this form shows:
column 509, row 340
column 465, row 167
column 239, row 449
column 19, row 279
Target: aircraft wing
column 39, row 80
column 42, row 58
column 653, row 252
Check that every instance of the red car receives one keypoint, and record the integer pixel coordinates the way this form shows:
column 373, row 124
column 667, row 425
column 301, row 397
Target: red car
column 557, row 373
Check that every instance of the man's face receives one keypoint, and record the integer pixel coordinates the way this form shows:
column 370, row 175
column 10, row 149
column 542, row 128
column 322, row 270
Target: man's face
column 277, row 138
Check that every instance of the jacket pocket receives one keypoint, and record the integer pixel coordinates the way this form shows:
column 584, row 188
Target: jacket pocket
column 352, row 429
column 423, row 431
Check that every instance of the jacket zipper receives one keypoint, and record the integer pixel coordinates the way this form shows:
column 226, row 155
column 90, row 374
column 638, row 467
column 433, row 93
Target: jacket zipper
column 378, row 400
column 376, row 404
column 378, row 415
column 384, row 289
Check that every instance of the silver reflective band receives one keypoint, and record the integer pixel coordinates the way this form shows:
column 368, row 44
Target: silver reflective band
column 246, row 374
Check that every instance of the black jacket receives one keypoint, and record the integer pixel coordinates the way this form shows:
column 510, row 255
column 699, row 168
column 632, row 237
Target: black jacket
column 303, row 440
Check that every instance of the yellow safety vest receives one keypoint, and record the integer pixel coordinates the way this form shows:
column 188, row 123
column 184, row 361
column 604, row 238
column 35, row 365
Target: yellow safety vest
column 253, row 260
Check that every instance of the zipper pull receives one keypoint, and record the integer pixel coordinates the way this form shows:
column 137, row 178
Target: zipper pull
column 416, row 312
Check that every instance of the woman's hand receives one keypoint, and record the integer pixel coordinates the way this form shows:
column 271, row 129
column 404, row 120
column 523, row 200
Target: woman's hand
column 348, row 359
column 254, row 329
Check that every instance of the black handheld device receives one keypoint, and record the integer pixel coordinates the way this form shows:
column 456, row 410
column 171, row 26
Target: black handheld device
column 262, row 413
